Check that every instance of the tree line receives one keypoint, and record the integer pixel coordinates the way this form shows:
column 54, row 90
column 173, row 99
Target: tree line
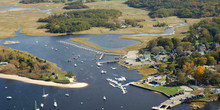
column 75, row 5
column 180, row 8
column 75, row 21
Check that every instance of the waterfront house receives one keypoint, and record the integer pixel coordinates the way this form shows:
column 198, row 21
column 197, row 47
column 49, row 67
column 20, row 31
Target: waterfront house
column 160, row 58
column 3, row 63
column 146, row 57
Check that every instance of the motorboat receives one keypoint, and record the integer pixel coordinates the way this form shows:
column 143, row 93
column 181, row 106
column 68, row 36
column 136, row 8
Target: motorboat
column 9, row 97
column 67, row 95
column 104, row 98
column 103, row 72
column 41, row 105
column 113, row 68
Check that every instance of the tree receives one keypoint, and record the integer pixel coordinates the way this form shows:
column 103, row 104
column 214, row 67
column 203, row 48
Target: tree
column 181, row 78
column 70, row 74
column 152, row 44
column 157, row 49
column 208, row 74
column 211, row 60
column 176, row 42
column 199, row 72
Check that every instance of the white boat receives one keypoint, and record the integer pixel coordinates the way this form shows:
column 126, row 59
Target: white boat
column 81, row 103
column 36, row 106
column 99, row 64
column 75, row 65
column 41, row 105
column 44, row 95
column 56, row 49
column 6, row 87
column 9, row 97
column 67, row 95
column 103, row 72
column 121, row 78
column 45, row 45
column 104, row 98
column 55, row 103
column 36, row 41
column 113, row 68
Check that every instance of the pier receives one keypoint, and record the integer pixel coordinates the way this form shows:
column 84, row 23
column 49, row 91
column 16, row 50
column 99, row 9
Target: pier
column 172, row 102
column 114, row 83
column 92, row 50
column 109, row 61
column 81, row 47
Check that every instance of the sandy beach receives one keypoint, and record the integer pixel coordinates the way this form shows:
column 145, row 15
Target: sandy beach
column 43, row 83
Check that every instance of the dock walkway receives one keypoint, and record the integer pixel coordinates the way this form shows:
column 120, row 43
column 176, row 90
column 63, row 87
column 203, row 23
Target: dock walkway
column 172, row 102
column 88, row 49
column 92, row 50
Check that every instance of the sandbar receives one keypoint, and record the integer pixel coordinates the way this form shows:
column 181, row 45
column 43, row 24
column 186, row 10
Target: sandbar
column 43, row 83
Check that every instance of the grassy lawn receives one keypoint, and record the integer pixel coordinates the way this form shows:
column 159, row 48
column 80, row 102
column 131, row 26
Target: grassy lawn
column 166, row 90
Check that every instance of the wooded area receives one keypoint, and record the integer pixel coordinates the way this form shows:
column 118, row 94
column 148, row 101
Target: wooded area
column 75, row 21
column 180, row 8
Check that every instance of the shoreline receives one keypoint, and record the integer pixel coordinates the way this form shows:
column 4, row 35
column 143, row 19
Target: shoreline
column 43, row 83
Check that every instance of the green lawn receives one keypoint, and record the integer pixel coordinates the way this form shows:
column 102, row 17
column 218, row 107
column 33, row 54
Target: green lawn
column 166, row 90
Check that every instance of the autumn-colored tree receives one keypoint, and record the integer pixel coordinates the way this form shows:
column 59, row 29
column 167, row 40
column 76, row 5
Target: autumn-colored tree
column 199, row 72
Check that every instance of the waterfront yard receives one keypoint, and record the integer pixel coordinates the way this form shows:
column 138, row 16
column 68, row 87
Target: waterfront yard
column 169, row 90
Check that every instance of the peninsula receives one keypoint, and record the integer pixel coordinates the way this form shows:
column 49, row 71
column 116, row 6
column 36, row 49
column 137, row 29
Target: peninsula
column 22, row 66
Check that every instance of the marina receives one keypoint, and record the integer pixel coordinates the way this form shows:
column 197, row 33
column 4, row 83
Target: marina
column 79, row 98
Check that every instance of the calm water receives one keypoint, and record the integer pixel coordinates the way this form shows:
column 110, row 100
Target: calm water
column 24, row 94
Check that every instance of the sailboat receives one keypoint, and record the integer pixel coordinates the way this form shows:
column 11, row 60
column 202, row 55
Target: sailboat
column 44, row 95
column 36, row 106
column 55, row 103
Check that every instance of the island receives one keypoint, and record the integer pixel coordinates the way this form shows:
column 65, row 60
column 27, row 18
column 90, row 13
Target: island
column 22, row 66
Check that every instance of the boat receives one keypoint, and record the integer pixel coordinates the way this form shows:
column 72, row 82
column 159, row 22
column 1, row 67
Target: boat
column 6, row 87
column 75, row 65
column 104, row 98
column 45, row 45
column 56, row 49
column 99, row 64
column 113, row 68
column 9, row 97
column 41, row 105
column 103, row 72
column 36, row 106
column 44, row 95
column 121, row 78
column 67, row 95
column 81, row 103
column 55, row 103
column 36, row 41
